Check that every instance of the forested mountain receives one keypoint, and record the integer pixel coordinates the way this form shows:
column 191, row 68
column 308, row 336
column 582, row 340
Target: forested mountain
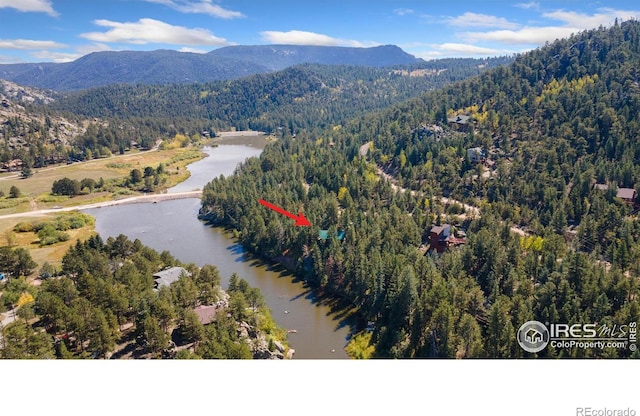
column 305, row 96
column 549, row 126
column 129, row 67
column 277, row 57
column 169, row 67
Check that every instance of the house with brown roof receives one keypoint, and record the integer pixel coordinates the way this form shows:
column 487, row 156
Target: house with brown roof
column 627, row 194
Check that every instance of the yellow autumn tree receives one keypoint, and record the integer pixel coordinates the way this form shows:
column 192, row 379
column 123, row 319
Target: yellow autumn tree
column 24, row 299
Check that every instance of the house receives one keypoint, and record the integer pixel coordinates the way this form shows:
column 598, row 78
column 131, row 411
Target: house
column 628, row 195
column 206, row 314
column 475, row 155
column 168, row 276
column 441, row 238
column 324, row 235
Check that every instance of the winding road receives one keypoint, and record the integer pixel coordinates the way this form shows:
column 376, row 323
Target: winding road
column 469, row 209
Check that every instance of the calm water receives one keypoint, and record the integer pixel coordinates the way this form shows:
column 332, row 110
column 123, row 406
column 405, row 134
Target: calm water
column 174, row 226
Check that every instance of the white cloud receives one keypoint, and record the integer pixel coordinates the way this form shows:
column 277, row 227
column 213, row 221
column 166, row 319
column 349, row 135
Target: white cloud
column 470, row 19
column 574, row 22
column 202, row 6
column 403, row 12
column 93, row 47
column 466, row 49
column 29, row 44
column 43, row 6
column 146, row 31
column 524, row 36
column 57, row 57
column 80, row 51
column 445, row 50
column 8, row 60
column 192, row 50
column 299, row 37
column 605, row 17
column 531, row 5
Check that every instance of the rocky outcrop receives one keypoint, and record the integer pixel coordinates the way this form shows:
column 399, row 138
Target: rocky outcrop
column 260, row 346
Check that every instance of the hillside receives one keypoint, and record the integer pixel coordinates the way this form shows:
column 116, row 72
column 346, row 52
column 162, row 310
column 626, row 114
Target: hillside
column 41, row 127
column 23, row 129
column 550, row 126
column 169, row 67
column 304, row 96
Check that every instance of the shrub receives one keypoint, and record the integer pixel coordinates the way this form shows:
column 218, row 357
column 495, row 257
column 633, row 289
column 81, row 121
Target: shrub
column 23, row 227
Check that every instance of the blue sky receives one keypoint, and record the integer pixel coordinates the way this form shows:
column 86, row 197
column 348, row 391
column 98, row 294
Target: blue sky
column 63, row 30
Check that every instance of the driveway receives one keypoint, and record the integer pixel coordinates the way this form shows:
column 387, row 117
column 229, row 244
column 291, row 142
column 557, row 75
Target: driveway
column 7, row 318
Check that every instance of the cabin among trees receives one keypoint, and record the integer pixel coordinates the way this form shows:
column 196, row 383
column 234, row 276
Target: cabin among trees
column 628, row 195
column 441, row 238
column 324, row 235
column 166, row 277
column 475, row 155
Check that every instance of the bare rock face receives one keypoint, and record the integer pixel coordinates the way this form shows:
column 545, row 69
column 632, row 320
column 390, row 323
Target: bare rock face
column 27, row 95
column 24, row 125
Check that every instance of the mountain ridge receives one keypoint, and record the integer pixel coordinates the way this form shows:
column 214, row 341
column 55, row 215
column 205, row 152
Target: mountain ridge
column 167, row 66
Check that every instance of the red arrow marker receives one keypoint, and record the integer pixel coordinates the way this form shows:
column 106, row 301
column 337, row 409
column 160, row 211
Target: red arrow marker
column 300, row 218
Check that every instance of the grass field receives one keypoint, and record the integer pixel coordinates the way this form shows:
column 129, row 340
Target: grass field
column 36, row 190
column 53, row 253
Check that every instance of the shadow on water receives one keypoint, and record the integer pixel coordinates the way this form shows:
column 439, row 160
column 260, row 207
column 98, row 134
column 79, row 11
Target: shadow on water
column 340, row 310
column 236, row 249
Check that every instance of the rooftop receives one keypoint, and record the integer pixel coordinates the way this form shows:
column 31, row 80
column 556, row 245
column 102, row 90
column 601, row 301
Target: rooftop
column 324, row 234
column 206, row 314
column 624, row 193
column 168, row 276
column 438, row 229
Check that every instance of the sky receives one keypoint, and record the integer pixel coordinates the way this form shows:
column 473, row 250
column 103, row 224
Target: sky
column 64, row 30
